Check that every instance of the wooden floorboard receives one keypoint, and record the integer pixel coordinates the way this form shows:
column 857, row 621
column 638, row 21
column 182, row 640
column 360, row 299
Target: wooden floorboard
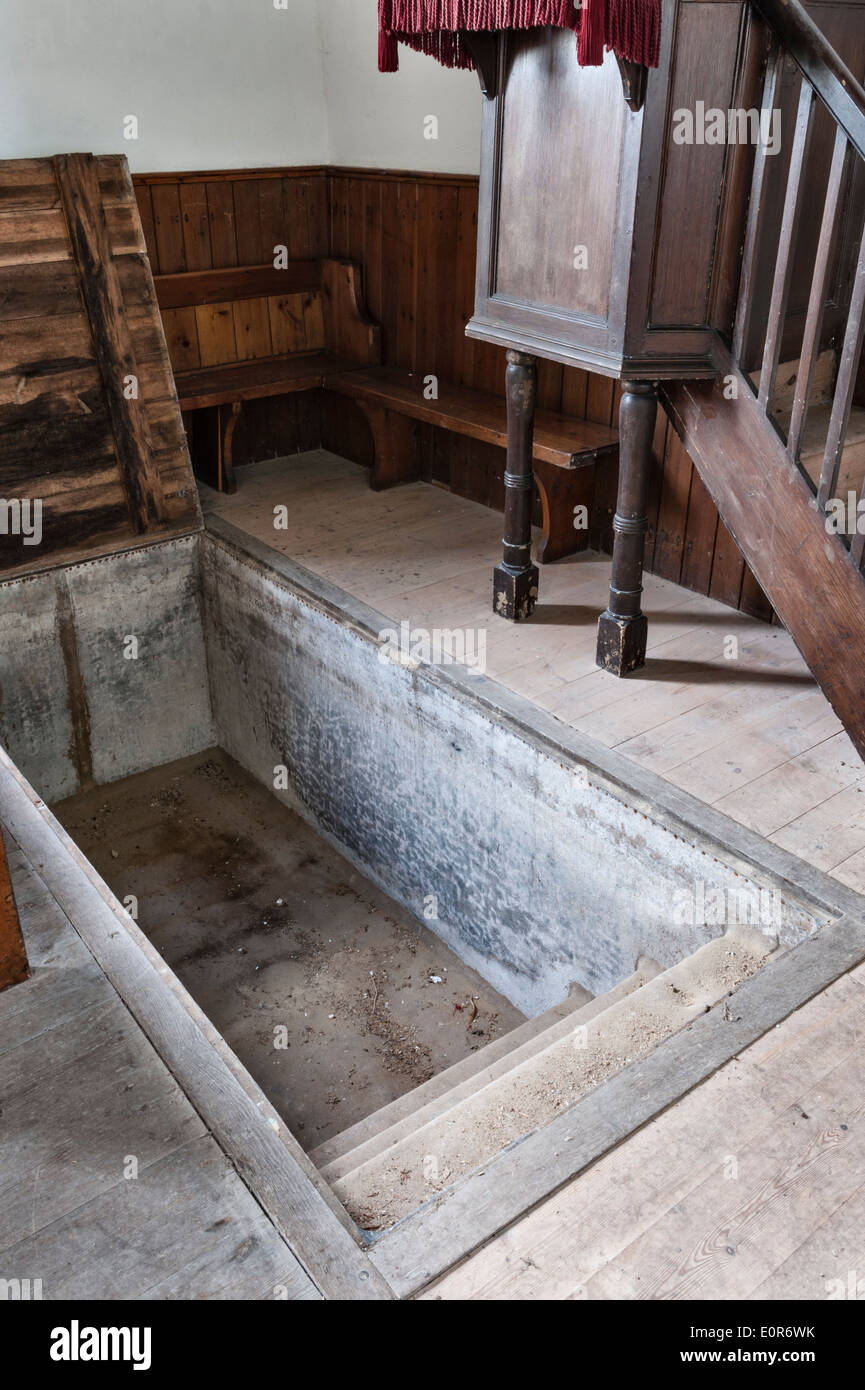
column 715, row 1197
column 110, row 1185
column 186, row 1228
column 726, row 708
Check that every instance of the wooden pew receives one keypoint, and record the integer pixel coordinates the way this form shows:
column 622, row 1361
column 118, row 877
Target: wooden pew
column 249, row 332
column 565, row 450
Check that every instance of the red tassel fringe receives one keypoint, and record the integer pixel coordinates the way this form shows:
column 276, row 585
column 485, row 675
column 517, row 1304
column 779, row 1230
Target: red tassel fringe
column 631, row 28
column 593, row 33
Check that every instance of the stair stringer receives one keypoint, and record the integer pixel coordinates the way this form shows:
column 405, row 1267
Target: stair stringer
column 805, row 571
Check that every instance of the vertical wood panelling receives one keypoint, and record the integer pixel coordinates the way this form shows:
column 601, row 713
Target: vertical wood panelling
column 416, row 237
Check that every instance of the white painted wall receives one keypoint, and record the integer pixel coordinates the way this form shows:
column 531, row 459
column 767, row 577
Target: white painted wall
column 220, row 84
column 214, row 83
column 377, row 120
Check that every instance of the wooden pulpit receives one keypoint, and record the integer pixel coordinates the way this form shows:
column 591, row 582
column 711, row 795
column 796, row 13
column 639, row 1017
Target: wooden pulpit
column 601, row 247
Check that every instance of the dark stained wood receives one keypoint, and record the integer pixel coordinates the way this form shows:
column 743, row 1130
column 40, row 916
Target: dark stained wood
column 634, row 80
column 13, row 953
column 561, row 492
column 250, row 333
column 349, row 331
column 838, row 88
column 622, row 631
column 384, row 205
column 484, row 49
column 515, row 582
column 250, row 381
column 692, row 175
column 393, row 436
column 772, row 520
column 581, row 253
column 239, row 282
column 558, row 439
column 103, row 299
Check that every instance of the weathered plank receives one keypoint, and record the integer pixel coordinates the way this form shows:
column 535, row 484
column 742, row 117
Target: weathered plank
column 77, row 1101
column 100, row 287
column 246, row 1126
column 436, row 1237
column 772, row 520
column 185, row 1228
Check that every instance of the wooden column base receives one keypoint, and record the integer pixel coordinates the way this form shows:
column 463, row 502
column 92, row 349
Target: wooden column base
column 622, row 643
column 515, row 593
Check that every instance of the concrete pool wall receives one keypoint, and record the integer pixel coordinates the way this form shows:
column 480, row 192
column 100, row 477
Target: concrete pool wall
column 540, row 858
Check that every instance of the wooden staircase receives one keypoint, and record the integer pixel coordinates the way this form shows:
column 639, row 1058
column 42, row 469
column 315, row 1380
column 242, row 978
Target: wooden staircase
column 398, row 1159
column 781, row 450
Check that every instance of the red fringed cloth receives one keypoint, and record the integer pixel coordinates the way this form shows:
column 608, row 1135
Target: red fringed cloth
column 631, row 28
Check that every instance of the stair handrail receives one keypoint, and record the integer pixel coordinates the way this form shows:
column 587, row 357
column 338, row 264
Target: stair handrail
column 824, row 68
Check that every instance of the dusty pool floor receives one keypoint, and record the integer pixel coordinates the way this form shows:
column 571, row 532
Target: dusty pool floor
column 281, row 940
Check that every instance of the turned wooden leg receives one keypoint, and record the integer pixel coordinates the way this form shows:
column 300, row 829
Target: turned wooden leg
column 622, row 630
column 13, row 956
column 393, row 441
column 515, row 583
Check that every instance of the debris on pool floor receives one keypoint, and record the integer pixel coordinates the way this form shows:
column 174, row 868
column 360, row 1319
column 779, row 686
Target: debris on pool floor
column 333, row 996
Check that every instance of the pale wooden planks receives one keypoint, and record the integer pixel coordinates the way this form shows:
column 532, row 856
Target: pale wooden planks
column 185, row 1228
column 427, row 1243
column 248, row 1129
column 82, row 1093
column 682, row 1159
column 742, row 732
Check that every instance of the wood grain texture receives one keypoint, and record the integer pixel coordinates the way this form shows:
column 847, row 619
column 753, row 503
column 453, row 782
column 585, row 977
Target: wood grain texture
column 819, row 599
column 89, row 421
column 183, row 1226
column 702, row 1203
column 247, row 1128
column 428, row 1243
column 422, row 294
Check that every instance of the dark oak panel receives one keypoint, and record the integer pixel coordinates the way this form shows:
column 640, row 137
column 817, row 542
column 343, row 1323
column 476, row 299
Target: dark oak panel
column 543, row 218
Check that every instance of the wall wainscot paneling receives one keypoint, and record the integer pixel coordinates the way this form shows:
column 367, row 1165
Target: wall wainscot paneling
column 415, row 236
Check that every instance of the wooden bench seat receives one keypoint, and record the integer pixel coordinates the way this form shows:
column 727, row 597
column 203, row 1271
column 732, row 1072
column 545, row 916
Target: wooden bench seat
column 250, row 332
column 565, row 449
column 249, row 381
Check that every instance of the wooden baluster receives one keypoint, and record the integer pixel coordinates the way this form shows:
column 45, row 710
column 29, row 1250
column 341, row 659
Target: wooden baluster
column 759, row 191
column 623, row 629
column 845, row 386
column 787, row 244
column 515, row 583
column 817, row 300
